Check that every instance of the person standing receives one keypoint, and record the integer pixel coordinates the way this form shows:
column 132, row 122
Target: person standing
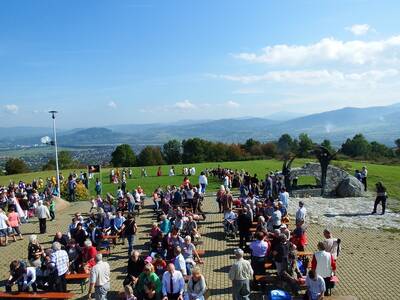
column 240, row 274
column 323, row 264
column 173, row 284
column 129, row 229
column 3, row 228
column 244, row 224
column 364, row 175
column 60, row 259
column 381, row 196
column 42, row 213
column 99, row 279
column 301, row 213
column 14, row 222
column 259, row 250
column 71, row 188
column 203, row 181
column 52, row 208
column 284, row 197
column 97, row 187
column 315, row 286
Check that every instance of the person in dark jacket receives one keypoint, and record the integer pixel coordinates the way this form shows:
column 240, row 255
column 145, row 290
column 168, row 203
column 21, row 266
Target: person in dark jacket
column 244, row 224
column 135, row 267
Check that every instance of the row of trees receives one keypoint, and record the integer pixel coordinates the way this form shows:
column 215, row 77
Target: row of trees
column 197, row 150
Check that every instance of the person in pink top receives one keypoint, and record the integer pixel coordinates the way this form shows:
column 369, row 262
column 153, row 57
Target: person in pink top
column 14, row 222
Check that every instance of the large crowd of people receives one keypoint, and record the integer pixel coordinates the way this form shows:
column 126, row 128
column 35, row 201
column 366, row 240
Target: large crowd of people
column 170, row 266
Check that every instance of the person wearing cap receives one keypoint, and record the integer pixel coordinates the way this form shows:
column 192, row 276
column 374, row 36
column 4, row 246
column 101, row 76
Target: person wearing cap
column 240, row 274
column 99, row 279
column 42, row 213
column 301, row 213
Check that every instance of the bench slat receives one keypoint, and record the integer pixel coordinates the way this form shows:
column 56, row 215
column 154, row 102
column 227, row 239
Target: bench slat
column 38, row 295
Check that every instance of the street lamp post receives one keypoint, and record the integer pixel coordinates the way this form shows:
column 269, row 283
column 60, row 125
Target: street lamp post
column 53, row 116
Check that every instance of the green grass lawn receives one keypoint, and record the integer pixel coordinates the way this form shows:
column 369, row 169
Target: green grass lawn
column 389, row 175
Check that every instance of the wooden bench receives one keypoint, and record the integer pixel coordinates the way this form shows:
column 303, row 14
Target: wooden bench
column 268, row 266
column 267, row 278
column 304, row 253
column 37, row 295
column 81, row 277
column 201, row 252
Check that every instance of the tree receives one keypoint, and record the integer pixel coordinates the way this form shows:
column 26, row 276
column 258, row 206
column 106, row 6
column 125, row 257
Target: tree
column 285, row 143
column 380, row 150
column 357, row 146
column 397, row 142
column 123, row 156
column 234, row 152
column 150, row 156
column 15, row 166
column 305, row 145
column 65, row 161
column 269, row 149
column 249, row 144
column 172, row 152
column 327, row 144
column 194, row 150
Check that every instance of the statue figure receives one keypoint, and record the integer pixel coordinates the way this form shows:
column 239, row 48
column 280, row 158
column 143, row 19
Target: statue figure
column 324, row 157
column 287, row 163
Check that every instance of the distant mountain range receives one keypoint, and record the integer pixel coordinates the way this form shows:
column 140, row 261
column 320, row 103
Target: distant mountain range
column 380, row 123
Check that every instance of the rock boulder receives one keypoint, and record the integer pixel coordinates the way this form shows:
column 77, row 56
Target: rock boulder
column 350, row 187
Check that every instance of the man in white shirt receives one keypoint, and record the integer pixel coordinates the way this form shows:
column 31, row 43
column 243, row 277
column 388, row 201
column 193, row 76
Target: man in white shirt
column 173, row 284
column 42, row 213
column 315, row 286
column 364, row 175
column 99, row 279
column 301, row 213
column 331, row 244
column 3, row 228
column 240, row 274
column 284, row 197
column 276, row 218
column 29, row 279
column 203, row 182
column 179, row 261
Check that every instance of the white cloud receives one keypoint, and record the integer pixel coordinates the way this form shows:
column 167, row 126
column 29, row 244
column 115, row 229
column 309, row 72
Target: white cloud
column 329, row 50
column 359, row 29
column 186, row 104
column 11, row 108
column 232, row 104
column 313, row 77
column 112, row 104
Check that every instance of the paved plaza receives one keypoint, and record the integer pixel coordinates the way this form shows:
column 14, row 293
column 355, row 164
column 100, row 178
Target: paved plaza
column 368, row 266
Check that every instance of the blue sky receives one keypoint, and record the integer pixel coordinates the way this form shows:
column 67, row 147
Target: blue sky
column 115, row 62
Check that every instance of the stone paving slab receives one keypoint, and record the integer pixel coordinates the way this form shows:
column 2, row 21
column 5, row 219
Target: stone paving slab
column 368, row 267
